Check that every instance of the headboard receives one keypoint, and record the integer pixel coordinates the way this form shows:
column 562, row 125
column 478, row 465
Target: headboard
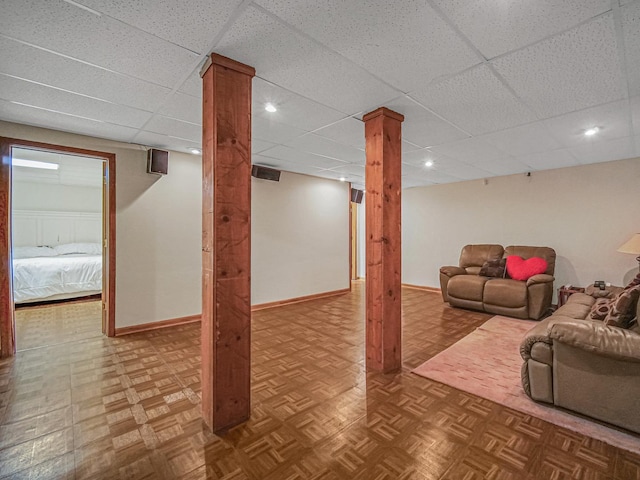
column 34, row 228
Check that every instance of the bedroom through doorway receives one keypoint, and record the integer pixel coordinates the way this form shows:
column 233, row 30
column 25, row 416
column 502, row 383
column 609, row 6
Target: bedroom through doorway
column 57, row 246
column 36, row 227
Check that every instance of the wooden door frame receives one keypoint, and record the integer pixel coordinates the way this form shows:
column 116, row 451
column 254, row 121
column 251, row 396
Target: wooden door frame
column 7, row 319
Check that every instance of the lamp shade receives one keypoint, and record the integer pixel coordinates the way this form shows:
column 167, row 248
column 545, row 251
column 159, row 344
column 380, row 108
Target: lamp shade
column 631, row 246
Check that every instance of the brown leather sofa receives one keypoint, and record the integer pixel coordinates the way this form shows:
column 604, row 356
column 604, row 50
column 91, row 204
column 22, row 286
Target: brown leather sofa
column 584, row 365
column 462, row 286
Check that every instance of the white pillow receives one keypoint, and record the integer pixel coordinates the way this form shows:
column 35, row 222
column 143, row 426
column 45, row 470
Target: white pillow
column 86, row 248
column 32, row 252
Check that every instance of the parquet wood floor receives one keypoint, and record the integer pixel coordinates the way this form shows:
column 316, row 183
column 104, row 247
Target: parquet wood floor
column 128, row 408
column 41, row 325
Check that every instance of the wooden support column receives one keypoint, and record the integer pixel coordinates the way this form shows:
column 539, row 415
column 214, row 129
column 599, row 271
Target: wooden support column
column 383, row 256
column 226, row 242
column 7, row 325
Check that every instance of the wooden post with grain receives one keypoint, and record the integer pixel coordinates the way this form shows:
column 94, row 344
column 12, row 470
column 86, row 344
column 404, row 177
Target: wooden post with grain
column 226, row 242
column 383, row 175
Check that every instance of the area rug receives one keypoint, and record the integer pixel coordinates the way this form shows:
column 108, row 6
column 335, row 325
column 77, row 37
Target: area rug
column 487, row 363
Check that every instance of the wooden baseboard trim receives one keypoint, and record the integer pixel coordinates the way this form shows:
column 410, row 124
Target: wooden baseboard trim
column 315, row 296
column 422, row 287
column 145, row 327
column 172, row 322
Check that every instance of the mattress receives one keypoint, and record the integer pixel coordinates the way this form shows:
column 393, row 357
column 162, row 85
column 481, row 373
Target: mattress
column 62, row 276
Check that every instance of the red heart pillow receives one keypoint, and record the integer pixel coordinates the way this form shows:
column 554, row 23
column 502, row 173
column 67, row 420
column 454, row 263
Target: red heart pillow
column 520, row 269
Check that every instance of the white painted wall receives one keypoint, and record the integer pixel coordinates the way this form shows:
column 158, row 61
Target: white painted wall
column 299, row 237
column 57, row 198
column 585, row 213
column 158, row 228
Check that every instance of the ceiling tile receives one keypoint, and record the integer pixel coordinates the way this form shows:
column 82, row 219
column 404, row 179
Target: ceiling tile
column 175, row 128
column 605, row 151
column 574, row 70
column 296, row 63
column 422, row 127
column 315, row 144
column 549, row 160
column 612, row 119
column 522, row 140
column 327, row 163
column 410, row 147
column 183, row 107
column 293, row 109
column 40, row 66
column 292, row 155
column 57, row 121
column 350, row 169
column 330, row 174
column 66, row 29
column 475, row 101
column 193, row 84
column 426, row 175
column 437, row 177
column 349, row 131
column 61, row 101
column 405, row 43
column 503, row 166
column 496, row 26
column 411, row 182
column 419, row 157
column 445, row 165
column 280, row 164
column 631, row 32
column 468, row 172
column 271, row 131
column 470, row 150
column 193, row 27
column 258, row 146
column 413, row 170
column 150, row 139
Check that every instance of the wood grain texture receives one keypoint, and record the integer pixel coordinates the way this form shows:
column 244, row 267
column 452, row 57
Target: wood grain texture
column 226, row 243
column 383, row 239
column 109, row 259
column 422, row 287
column 289, row 301
column 109, row 254
column 145, row 327
column 129, row 408
column 7, row 323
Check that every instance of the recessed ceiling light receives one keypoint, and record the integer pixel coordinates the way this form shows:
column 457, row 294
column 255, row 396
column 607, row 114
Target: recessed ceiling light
column 428, row 163
column 342, row 179
column 195, row 151
column 269, row 107
column 591, row 131
column 18, row 162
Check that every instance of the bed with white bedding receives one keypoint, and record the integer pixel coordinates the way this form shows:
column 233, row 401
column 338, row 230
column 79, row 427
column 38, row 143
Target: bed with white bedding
column 65, row 271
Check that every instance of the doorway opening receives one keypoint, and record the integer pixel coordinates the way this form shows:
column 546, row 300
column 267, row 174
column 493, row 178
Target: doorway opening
column 57, row 245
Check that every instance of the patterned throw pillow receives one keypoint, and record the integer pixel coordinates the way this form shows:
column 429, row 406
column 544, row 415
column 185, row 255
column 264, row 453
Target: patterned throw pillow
column 633, row 283
column 601, row 309
column 623, row 310
column 493, row 268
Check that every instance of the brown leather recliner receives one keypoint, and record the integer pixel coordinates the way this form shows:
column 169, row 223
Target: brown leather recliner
column 584, row 365
column 462, row 286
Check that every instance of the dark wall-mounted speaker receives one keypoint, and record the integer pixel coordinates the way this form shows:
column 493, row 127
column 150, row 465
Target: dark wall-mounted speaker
column 158, row 161
column 265, row 173
column 356, row 195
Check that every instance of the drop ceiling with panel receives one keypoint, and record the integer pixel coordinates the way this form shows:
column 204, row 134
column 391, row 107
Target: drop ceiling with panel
column 491, row 87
